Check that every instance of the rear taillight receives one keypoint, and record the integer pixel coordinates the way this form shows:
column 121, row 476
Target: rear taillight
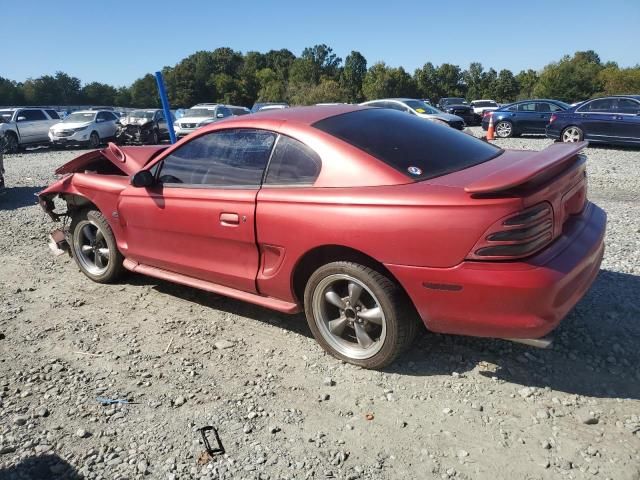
column 553, row 118
column 517, row 236
column 486, row 114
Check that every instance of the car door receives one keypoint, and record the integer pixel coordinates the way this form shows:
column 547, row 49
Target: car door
column 526, row 118
column 199, row 217
column 596, row 117
column 543, row 115
column 106, row 124
column 33, row 125
column 627, row 120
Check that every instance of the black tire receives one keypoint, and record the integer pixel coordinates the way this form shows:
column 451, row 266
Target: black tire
column 507, row 132
column 94, row 140
column 155, row 137
column 572, row 133
column 114, row 268
column 11, row 144
column 399, row 316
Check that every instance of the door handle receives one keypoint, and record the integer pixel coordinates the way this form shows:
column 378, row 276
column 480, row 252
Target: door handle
column 229, row 219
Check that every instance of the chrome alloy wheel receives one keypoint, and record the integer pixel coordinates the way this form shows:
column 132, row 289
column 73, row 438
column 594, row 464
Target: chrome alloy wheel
column 349, row 316
column 571, row 135
column 90, row 247
column 503, row 129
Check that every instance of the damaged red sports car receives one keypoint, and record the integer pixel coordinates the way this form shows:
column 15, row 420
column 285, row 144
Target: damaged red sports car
column 368, row 219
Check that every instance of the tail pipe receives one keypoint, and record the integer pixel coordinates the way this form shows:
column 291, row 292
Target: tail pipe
column 544, row 342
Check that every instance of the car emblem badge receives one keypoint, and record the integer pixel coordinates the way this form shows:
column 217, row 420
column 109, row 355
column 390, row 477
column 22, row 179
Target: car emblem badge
column 414, row 170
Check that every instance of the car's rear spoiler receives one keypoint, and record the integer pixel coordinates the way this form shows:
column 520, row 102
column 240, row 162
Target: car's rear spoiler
column 528, row 169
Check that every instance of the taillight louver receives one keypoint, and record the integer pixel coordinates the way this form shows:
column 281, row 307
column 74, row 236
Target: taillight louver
column 517, row 236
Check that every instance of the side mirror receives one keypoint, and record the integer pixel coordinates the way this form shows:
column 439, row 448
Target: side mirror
column 143, row 179
column 220, row 115
column 21, row 119
column 99, row 120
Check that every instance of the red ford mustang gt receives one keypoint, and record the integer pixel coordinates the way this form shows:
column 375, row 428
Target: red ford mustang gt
column 366, row 218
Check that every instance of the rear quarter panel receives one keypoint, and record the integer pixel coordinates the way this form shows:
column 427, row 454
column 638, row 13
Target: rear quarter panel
column 415, row 224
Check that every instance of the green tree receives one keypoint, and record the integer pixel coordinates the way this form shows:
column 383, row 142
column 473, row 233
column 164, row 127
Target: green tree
column 384, row 82
column 506, row 87
column 10, row 92
column 527, row 80
column 572, row 78
column 98, row 94
column 426, row 82
column 619, row 81
column 324, row 61
column 327, row 91
column 473, row 77
column 355, row 69
column 144, row 93
column 272, row 88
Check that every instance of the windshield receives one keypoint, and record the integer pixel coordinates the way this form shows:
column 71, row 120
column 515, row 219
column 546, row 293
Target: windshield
column 454, row 101
column 484, row 104
column 80, row 117
column 417, row 148
column 421, row 107
column 199, row 112
column 6, row 115
column 141, row 114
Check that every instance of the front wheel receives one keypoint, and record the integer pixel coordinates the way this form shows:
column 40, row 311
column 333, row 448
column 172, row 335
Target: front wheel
column 358, row 315
column 94, row 140
column 504, row 129
column 94, row 248
column 572, row 134
column 11, row 144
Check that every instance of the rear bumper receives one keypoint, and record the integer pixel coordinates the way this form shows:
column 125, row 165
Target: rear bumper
column 523, row 299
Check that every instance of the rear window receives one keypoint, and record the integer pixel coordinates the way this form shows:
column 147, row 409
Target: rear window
column 414, row 146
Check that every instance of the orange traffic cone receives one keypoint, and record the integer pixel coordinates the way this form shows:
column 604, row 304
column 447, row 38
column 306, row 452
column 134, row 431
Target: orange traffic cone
column 490, row 133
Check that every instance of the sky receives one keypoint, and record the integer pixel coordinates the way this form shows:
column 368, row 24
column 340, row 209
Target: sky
column 115, row 41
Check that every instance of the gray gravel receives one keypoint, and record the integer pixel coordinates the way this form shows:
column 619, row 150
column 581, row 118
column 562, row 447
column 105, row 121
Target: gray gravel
column 453, row 407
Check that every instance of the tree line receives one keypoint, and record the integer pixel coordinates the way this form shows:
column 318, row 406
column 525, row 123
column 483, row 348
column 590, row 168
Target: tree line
column 319, row 75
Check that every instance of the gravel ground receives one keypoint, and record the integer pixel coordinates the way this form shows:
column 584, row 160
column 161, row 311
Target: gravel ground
column 453, row 407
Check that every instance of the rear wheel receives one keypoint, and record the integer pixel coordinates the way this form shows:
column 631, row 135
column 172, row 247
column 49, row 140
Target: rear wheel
column 94, row 248
column 504, row 129
column 358, row 315
column 572, row 134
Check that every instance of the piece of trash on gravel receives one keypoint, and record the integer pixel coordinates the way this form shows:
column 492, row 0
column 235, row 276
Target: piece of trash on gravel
column 111, row 401
column 369, row 416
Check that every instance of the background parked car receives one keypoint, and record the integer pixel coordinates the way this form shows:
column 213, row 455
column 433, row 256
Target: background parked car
column 419, row 108
column 527, row 116
column 26, row 126
column 236, row 110
column 458, row 106
column 199, row 116
column 614, row 119
column 143, row 127
column 480, row 107
column 85, row 127
column 268, row 105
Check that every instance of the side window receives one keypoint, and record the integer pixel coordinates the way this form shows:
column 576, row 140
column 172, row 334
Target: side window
column 159, row 116
column 626, row 105
column 292, row 163
column 102, row 117
column 527, row 107
column 602, row 105
column 554, row 107
column 513, row 108
column 224, row 111
column 396, row 106
column 53, row 114
column 32, row 115
column 228, row 158
column 543, row 107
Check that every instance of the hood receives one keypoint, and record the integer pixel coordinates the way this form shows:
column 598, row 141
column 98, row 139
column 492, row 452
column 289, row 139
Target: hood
column 194, row 119
column 458, row 106
column 70, row 125
column 128, row 159
column 134, row 121
column 445, row 117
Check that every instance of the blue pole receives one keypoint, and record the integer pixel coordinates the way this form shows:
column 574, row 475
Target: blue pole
column 165, row 106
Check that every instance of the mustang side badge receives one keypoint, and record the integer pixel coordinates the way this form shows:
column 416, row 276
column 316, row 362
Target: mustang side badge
column 414, row 171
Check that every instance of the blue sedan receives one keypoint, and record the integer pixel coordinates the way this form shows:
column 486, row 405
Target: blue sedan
column 528, row 116
column 614, row 120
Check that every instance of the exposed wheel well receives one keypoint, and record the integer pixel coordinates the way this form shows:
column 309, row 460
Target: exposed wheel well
column 319, row 256
column 77, row 202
